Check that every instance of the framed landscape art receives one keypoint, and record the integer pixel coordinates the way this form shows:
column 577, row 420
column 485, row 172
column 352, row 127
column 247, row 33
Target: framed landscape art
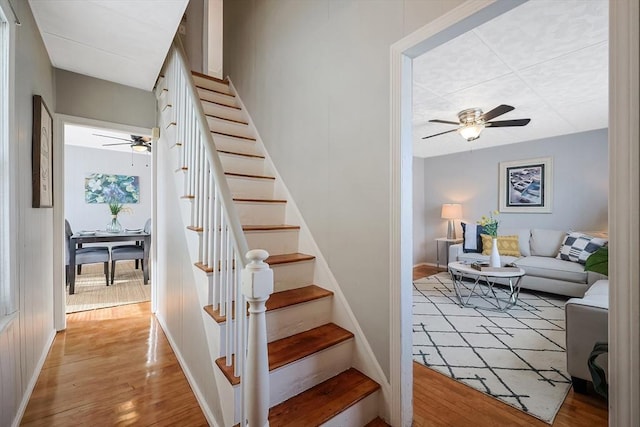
column 526, row 186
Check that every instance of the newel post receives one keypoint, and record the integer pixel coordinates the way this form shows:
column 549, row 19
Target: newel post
column 257, row 285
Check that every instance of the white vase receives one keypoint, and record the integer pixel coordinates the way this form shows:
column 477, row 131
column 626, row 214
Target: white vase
column 494, row 258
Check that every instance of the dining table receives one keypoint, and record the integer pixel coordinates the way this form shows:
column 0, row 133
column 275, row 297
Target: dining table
column 99, row 236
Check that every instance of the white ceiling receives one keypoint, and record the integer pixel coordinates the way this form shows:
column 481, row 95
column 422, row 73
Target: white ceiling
column 88, row 137
column 547, row 58
column 124, row 41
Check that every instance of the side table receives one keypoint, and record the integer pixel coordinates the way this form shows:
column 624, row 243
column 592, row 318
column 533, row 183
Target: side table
column 447, row 243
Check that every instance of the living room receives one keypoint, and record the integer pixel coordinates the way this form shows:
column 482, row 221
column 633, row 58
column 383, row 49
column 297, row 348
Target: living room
column 447, row 169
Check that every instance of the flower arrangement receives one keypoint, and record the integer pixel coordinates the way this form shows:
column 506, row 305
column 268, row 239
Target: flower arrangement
column 490, row 224
column 116, row 208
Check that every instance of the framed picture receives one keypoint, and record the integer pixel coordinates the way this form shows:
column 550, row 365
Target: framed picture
column 41, row 151
column 526, row 186
column 107, row 188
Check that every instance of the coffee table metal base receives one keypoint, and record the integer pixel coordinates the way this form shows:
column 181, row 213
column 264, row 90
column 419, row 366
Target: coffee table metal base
column 483, row 286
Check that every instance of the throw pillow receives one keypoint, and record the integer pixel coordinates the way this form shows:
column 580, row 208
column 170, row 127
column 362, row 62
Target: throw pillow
column 507, row 245
column 471, row 240
column 577, row 247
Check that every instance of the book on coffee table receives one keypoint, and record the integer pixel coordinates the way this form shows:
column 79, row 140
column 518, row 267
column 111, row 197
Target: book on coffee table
column 486, row 268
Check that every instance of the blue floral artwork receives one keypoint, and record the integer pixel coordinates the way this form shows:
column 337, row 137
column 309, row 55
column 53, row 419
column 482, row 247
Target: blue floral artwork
column 105, row 188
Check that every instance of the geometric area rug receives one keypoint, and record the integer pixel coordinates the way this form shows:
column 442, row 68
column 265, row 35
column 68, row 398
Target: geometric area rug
column 517, row 357
column 91, row 292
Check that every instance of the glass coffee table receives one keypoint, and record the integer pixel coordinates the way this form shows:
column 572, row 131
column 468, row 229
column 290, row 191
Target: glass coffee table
column 480, row 286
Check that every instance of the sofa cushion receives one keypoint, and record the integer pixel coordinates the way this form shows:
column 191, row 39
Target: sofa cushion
column 507, row 245
column 553, row 268
column 524, row 234
column 577, row 247
column 601, row 287
column 471, row 241
column 546, row 242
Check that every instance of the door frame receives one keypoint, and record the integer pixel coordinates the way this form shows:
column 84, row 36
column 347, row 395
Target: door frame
column 59, row 288
column 624, row 205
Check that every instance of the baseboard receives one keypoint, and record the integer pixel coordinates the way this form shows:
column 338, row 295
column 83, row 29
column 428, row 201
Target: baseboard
column 428, row 264
column 34, row 379
column 187, row 373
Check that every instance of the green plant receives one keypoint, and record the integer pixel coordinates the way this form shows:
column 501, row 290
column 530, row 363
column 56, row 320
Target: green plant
column 117, row 207
column 598, row 261
column 490, row 224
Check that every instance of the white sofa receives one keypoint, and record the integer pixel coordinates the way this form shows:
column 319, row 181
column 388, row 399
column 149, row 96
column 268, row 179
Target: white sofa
column 544, row 272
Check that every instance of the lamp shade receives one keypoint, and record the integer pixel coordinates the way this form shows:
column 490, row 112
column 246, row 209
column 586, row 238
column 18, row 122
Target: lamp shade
column 451, row 211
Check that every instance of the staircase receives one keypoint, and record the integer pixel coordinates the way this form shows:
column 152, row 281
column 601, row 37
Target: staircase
column 316, row 352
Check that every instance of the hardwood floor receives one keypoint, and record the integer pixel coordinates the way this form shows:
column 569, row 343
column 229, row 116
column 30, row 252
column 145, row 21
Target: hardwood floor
column 112, row 367
column 441, row 401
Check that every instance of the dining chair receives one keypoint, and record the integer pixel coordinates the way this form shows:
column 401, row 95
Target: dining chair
column 129, row 252
column 86, row 255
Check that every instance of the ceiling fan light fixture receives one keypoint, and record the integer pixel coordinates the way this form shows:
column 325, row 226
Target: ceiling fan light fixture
column 139, row 147
column 471, row 131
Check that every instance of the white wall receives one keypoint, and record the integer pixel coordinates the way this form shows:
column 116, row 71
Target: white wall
column 315, row 78
column 214, row 38
column 24, row 344
column 580, row 187
column 78, row 162
column 419, row 215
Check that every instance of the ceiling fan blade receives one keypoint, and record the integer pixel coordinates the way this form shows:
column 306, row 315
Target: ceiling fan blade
column 113, row 137
column 118, row 143
column 498, row 111
column 444, row 121
column 441, row 133
column 507, row 123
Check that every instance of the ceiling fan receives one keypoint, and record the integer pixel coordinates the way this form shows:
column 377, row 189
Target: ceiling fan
column 137, row 142
column 472, row 121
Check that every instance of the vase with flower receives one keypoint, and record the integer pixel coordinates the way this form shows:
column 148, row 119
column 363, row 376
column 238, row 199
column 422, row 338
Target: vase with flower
column 116, row 208
column 490, row 226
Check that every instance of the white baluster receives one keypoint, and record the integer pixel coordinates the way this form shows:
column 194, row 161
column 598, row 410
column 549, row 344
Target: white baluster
column 257, row 285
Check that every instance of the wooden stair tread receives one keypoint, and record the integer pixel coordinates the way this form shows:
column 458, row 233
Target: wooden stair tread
column 248, row 138
column 243, row 175
column 215, row 79
column 268, row 227
column 214, row 91
column 220, row 104
column 295, row 347
column 232, row 153
column 319, row 404
column 279, row 300
column 378, row 422
column 227, row 119
column 287, row 258
column 260, row 200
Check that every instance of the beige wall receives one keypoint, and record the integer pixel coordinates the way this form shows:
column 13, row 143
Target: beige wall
column 25, row 343
column 315, row 78
column 83, row 96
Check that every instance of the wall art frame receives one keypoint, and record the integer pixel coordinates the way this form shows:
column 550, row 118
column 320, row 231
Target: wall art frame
column 526, row 186
column 42, row 155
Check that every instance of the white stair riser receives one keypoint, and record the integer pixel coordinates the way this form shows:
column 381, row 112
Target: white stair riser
column 211, row 84
column 298, row 318
column 276, row 242
column 296, row 377
column 207, row 95
column 292, row 275
column 359, row 414
column 222, row 111
column 232, row 128
column 250, row 188
column 242, row 164
column 236, row 145
column 257, row 213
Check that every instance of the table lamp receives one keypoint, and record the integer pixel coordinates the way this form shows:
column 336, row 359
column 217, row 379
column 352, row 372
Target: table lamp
column 451, row 212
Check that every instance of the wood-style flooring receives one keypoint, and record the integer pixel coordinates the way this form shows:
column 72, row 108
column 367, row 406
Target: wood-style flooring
column 115, row 367
column 112, row 367
column 441, row 401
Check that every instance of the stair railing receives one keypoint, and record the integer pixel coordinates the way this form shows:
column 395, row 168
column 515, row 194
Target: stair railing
column 222, row 244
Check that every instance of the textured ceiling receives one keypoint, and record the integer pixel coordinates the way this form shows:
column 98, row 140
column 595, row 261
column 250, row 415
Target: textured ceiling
column 547, row 58
column 89, row 137
column 122, row 41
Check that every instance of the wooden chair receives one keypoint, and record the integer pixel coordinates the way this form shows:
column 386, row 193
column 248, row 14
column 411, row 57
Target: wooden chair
column 88, row 255
column 129, row 252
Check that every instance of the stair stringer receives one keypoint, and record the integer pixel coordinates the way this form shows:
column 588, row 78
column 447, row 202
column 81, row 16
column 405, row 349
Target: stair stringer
column 363, row 359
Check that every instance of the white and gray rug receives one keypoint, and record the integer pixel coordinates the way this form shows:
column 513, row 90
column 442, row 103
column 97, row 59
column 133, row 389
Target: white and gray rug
column 517, row 357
